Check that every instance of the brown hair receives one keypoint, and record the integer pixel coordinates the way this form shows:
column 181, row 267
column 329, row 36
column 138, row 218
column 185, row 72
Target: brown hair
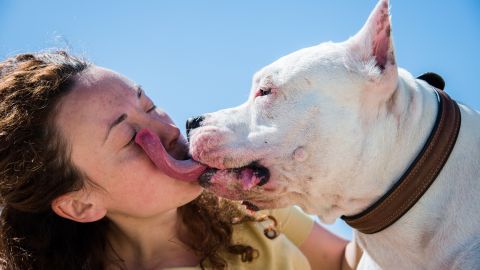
column 35, row 169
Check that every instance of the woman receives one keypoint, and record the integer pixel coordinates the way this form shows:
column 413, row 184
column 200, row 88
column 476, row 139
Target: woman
column 78, row 192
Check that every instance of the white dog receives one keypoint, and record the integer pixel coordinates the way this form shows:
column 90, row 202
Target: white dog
column 332, row 128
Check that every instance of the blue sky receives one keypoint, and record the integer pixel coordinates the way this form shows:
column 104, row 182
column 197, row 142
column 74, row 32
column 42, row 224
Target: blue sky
column 198, row 56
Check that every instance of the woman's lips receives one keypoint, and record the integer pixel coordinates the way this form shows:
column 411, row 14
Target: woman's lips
column 186, row 170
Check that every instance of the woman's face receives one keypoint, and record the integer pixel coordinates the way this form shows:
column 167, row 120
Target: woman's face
column 99, row 119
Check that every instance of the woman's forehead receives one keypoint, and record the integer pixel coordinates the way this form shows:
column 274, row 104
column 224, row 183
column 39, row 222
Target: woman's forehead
column 101, row 79
column 99, row 85
column 97, row 97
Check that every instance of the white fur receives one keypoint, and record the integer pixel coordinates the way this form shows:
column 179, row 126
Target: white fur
column 336, row 133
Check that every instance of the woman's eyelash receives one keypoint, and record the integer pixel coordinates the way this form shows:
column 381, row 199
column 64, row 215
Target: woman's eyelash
column 152, row 108
column 132, row 140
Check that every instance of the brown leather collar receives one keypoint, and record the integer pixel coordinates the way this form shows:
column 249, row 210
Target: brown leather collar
column 419, row 176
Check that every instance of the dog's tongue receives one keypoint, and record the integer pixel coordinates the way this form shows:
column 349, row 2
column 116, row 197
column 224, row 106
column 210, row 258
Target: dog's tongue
column 187, row 170
column 248, row 178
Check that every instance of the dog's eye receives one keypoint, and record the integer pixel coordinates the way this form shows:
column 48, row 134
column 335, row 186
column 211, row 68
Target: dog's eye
column 264, row 92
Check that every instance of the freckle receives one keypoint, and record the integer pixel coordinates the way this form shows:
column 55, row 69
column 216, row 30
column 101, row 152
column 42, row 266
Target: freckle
column 266, row 142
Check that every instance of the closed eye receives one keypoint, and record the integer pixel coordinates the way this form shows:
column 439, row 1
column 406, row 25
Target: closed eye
column 132, row 140
column 152, row 108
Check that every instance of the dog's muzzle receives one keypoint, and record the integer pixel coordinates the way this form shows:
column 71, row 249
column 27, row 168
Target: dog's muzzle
column 250, row 176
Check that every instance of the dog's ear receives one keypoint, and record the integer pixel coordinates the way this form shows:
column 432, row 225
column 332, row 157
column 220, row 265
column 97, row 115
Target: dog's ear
column 372, row 46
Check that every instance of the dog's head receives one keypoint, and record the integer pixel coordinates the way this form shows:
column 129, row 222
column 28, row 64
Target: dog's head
column 304, row 124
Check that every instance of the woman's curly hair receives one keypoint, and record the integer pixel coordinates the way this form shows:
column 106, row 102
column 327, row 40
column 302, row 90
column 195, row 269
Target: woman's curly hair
column 35, row 168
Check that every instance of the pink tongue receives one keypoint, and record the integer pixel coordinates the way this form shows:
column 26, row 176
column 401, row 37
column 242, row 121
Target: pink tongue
column 186, row 170
column 248, row 179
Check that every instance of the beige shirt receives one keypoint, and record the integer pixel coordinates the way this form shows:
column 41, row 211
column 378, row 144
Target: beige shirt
column 281, row 253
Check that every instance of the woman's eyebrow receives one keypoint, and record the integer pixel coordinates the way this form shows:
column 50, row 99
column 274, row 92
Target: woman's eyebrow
column 124, row 116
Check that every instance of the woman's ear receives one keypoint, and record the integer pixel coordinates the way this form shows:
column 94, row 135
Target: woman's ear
column 78, row 206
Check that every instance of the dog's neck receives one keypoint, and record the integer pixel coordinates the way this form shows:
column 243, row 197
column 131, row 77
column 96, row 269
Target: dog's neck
column 389, row 147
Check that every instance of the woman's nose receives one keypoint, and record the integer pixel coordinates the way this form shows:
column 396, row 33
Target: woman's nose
column 170, row 136
column 166, row 131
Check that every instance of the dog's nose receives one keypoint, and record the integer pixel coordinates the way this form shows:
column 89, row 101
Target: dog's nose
column 192, row 123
